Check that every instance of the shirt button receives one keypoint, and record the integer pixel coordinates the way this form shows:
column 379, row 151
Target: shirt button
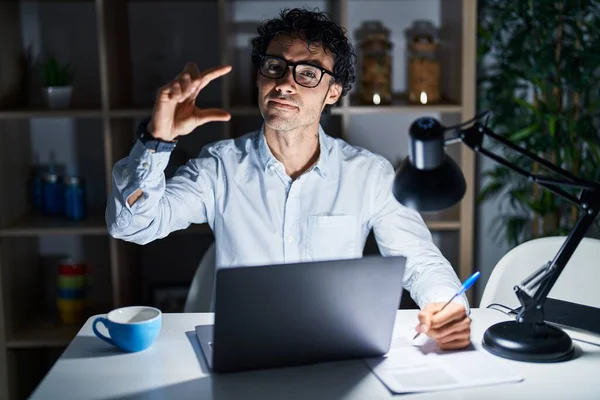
column 145, row 165
column 290, row 239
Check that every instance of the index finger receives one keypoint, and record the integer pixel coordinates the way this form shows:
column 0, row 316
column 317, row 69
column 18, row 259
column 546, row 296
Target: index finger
column 452, row 312
column 207, row 76
column 213, row 73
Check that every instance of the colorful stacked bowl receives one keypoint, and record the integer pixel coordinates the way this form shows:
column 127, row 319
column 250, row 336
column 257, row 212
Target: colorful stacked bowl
column 72, row 283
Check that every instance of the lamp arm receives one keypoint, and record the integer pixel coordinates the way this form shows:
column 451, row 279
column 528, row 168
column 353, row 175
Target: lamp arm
column 533, row 290
column 473, row 138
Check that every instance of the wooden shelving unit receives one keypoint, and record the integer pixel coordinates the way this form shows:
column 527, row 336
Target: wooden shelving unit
column 34, row 225
column 116, row 105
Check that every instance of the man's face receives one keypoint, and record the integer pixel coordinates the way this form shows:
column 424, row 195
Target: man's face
column 283, row 103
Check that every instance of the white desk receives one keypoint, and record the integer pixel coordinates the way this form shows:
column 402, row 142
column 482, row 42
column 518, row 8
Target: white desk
column 174, row 368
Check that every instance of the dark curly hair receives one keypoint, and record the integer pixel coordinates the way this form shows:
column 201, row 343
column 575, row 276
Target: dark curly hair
column 314, row 27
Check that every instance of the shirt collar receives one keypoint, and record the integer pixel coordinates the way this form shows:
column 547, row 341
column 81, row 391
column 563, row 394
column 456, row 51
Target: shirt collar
column 325, row 149
column 266, row 158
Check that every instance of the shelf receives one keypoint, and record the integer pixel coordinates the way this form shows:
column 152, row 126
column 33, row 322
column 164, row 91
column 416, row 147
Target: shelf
column 146, row 111
column 244, row 111
column 131, row 112
column 443, row 225
column 93, row 225
column 397, row 107
column 43, row 332
column 447, row 220
column 34, row 225
column 400, row 104
column 35, row 112
column 48, row 331
column 253, row 111
column 236, row 111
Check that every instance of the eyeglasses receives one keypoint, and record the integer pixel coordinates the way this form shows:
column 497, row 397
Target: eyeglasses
column 307, row 75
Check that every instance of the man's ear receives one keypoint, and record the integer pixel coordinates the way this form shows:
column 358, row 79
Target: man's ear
column 334, row 94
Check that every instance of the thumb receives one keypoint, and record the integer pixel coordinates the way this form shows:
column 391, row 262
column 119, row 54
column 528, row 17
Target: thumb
column 203, row 116
column 424, row 321
column 426, row 315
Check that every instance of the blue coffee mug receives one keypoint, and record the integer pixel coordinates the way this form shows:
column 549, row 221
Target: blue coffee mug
column 130, row 328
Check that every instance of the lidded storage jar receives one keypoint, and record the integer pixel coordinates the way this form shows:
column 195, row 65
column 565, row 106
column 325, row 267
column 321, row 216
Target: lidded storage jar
column 423, row 63
column 376, row 64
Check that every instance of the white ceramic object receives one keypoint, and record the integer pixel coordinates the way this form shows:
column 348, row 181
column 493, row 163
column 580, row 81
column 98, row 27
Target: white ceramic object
column 58, row 97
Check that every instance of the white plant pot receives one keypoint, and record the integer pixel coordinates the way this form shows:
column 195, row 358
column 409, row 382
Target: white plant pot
column 58, row 97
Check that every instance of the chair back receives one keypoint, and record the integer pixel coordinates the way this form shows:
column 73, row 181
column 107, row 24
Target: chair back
column 199, row 298
column 578, row 283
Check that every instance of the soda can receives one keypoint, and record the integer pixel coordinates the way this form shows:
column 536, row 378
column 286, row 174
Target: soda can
column 52, row 194
column 74, row 198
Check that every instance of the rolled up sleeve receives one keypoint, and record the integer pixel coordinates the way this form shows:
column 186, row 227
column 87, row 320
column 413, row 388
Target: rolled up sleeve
column 165, row 205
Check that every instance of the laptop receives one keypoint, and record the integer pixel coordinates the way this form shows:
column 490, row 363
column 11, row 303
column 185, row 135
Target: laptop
column 304, row 313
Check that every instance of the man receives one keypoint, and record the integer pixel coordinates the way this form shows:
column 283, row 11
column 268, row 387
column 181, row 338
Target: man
column 286, row 193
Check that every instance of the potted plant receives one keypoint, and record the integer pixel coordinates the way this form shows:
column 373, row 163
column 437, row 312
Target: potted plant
column 539, row 77
column 56, row 78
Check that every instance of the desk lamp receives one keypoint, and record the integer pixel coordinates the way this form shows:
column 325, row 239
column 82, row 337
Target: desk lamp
column 429, row 180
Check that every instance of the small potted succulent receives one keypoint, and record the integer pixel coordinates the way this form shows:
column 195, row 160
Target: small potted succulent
column 56, row 78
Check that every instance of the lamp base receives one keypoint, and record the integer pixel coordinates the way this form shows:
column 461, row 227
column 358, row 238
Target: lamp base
column 540, row 343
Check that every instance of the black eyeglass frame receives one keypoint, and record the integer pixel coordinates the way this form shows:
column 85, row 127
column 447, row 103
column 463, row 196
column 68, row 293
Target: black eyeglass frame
column 289, row 64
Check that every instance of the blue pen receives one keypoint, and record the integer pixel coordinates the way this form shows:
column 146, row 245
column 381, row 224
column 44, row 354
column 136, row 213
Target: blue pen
column 465, row 286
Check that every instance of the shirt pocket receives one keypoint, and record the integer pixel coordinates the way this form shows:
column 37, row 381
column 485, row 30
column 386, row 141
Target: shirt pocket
column 331, row 237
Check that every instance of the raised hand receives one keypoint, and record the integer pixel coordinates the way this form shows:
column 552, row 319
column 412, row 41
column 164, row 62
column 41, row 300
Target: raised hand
column 175, row 113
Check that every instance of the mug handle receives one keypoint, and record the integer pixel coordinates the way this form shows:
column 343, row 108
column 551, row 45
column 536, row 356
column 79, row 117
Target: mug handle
column 104, row 322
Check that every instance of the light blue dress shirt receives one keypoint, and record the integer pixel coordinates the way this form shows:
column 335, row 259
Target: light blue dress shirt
column 259, row 215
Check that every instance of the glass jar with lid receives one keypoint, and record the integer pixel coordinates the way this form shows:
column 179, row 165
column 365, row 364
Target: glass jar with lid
column 376, row 64
column 423, row 64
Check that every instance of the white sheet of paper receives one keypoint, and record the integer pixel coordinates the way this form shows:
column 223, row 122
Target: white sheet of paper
column 421, row 366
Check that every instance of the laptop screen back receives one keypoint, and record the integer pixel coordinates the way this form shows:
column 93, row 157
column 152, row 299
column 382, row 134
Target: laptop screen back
column 293, row 314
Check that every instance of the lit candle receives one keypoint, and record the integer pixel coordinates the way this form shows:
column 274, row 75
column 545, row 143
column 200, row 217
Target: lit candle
column 376, row 99
column 423, row 98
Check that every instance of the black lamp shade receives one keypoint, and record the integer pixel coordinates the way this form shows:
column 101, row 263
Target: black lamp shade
column 430, row 189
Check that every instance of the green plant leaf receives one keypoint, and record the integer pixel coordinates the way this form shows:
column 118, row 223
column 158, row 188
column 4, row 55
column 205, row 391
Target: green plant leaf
column 490, row 191
column 546, row 105
column 54, row 73
column 552, row 126
column 527, row 105
column 515, row 229
column 524, row 133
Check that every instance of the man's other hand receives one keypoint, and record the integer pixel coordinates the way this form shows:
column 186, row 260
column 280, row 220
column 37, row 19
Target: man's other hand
column 450, row 328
